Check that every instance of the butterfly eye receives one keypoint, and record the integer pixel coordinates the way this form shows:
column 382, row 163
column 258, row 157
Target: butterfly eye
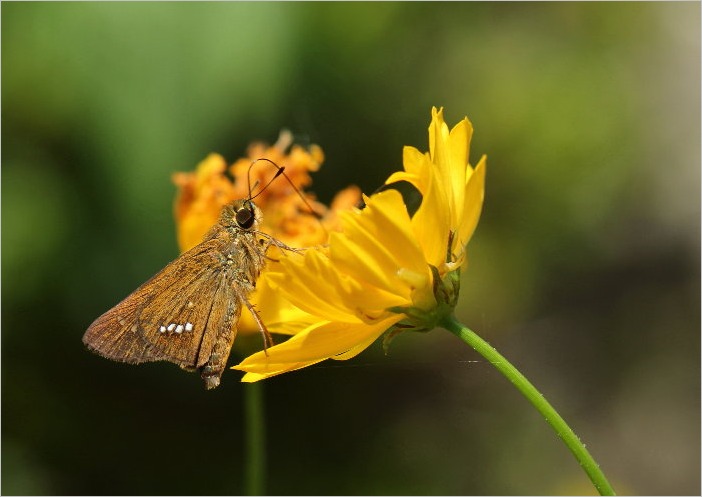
column 245, row 217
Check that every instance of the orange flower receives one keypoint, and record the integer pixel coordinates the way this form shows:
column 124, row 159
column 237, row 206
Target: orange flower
column 204, row 192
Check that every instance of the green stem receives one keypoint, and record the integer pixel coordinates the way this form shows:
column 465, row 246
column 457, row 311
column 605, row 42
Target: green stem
column 534, row 396
column 255, row 437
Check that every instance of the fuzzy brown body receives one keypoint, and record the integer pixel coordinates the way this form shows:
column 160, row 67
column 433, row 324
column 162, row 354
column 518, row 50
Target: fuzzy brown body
column 187, row 314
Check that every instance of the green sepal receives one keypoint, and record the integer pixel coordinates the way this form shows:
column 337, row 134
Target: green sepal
column 446, row 292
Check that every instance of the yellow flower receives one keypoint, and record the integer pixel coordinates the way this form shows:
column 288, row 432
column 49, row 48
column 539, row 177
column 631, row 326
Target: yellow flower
column 384, row 270
column 204, row 192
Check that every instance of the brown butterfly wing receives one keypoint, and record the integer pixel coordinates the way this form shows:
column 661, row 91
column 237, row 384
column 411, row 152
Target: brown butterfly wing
column 176, row 316
column 198, row 317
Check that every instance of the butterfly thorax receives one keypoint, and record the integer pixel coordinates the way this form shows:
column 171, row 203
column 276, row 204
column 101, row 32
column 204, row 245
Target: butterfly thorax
column 241, row 253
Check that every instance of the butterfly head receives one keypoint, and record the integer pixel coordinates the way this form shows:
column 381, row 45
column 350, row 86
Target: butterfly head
column 241, row 214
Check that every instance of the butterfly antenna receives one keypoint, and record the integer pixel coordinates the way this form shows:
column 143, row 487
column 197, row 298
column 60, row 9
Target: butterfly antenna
column 280, row 172
column 248, row 178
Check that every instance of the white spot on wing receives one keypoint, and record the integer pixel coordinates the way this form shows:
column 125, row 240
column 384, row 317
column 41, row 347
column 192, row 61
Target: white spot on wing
column 176, row 328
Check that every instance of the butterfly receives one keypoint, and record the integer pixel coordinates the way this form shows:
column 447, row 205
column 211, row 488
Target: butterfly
column 188, row 312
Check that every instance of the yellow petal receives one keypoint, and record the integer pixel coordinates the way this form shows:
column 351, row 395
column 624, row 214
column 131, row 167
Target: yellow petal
column 431, row 223
column 314, row 285
column 366, row 260
column 415, row 162
column 353, row 352
column 278, row 313
column 458, row 147
column 417, row 168
column 383, row 255
column 321, row 341
column 386, row 225
column 373, row 272
column 440, row 154
column 474, row 195
column 275, row 369
column 438, row 135
column 404, row 176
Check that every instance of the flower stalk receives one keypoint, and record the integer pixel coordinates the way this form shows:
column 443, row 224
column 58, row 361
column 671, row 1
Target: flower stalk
column 255, row 436
column 529, row 391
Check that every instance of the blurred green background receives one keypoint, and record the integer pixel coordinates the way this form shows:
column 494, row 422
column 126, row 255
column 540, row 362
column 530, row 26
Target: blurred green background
column 584, row 270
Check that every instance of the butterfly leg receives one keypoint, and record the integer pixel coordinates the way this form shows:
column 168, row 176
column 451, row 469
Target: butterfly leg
column 267, row 338
column 269, row 240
